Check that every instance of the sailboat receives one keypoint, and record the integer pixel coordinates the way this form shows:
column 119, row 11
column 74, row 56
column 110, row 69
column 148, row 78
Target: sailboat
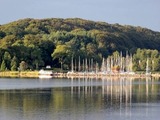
column 72, row 67
column 147, row 68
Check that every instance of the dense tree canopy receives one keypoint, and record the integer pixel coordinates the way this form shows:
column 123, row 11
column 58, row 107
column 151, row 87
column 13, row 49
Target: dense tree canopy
column 54, row 42
column 141, row 56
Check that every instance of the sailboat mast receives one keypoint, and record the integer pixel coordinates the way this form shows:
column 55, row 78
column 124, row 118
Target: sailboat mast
column 147, row 67
column 79, row 65
column 72, row 65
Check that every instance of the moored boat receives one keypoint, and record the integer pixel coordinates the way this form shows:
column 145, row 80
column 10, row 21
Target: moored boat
column 45, row 74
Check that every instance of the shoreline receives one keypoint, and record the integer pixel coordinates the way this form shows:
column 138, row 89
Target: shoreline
column 117, row 75
column 35, row 74
column 17, row 74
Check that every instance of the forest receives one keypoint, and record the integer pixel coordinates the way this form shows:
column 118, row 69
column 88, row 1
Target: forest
column 32, row 44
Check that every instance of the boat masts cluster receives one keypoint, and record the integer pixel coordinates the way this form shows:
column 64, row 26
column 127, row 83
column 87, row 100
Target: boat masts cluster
column 114, row 63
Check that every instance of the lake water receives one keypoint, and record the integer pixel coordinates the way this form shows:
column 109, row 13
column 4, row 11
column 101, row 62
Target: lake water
column 79, row 99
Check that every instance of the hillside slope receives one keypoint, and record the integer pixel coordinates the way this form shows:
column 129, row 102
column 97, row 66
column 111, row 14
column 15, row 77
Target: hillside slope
column 41, row 42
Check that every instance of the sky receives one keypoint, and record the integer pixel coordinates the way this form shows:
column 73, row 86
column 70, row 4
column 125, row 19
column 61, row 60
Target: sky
column 144, row 13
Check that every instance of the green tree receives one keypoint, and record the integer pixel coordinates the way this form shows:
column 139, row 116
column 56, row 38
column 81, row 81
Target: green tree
column 23, row 66
column 14, row 64
column 91, row 50
column 36, row 57
column 46, row 47
column 7, row 59
column 141, row 56
column 7, row 41
column 3, row 66
column 60, row 53
column 2, row 34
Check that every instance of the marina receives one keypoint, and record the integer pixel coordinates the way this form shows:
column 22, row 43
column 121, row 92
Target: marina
column 80, row 60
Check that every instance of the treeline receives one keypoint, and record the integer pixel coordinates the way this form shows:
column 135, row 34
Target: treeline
column 142, row 56
column 33, row 44
column 139, row 60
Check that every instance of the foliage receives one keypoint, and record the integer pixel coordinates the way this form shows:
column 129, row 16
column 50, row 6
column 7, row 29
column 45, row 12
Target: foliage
column 140, row 60
column 23, row 66
column 3, row 66
column 55, row 41
column 14, row 64
column 7, row 59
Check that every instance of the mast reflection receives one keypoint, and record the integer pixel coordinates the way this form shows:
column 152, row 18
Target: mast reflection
column 114, row 89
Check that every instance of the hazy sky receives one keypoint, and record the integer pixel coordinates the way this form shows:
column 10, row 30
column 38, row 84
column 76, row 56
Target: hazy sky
column 144, row 13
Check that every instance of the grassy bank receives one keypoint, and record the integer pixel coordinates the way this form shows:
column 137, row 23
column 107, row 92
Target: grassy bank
column 28, row 74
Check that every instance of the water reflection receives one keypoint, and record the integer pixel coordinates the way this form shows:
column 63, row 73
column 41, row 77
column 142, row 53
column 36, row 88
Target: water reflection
column 84, row 99
column 121, row 89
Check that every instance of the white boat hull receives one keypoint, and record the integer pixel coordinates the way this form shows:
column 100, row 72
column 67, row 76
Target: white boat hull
column 45, row 74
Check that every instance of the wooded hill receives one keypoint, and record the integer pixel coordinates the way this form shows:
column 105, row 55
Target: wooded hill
column 34, row 43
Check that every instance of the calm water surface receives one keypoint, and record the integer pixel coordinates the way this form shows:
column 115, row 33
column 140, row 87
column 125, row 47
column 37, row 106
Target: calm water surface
column 79, row 99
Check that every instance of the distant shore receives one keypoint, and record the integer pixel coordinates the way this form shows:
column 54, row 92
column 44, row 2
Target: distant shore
column 34, row 74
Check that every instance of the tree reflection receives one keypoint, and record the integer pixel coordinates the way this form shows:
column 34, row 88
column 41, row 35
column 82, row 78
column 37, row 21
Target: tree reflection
column 84, row 93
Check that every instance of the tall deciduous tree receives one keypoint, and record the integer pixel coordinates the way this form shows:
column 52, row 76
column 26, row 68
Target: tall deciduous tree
column 7, row 59
column 14, row 64
column 3, row 66
column 23, row 66
column 60, row 53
